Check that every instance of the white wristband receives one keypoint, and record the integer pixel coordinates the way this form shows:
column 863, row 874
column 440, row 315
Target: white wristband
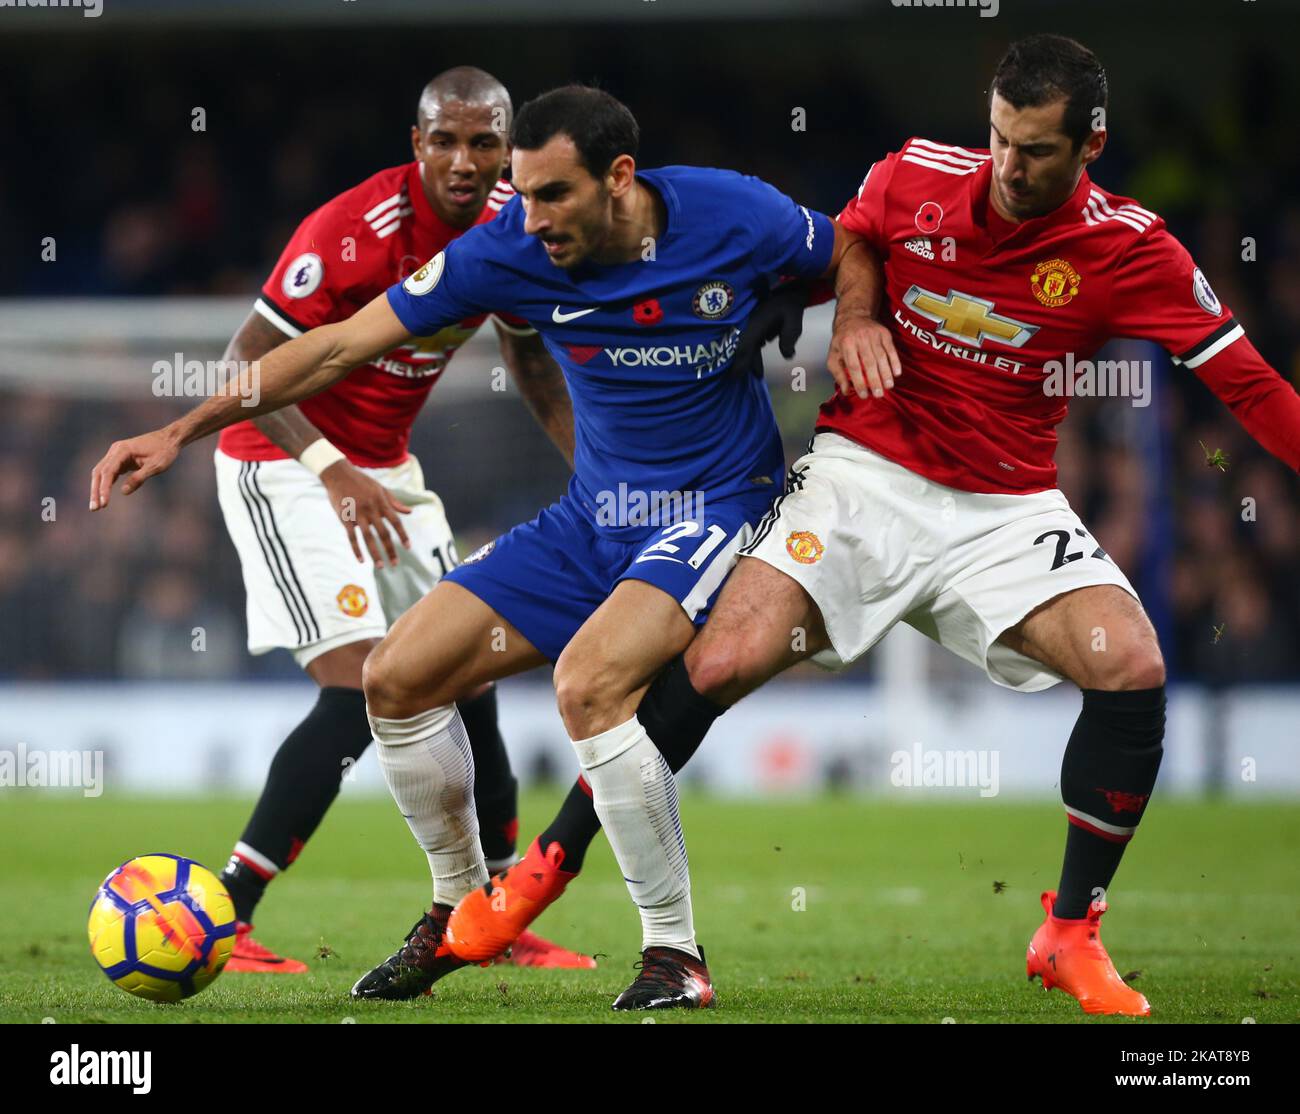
column 319, row 455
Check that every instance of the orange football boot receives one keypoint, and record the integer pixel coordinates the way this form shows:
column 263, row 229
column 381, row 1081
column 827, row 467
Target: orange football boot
column 531, row 950
column 1069, row 954
column 490, row 919
column 249, row 955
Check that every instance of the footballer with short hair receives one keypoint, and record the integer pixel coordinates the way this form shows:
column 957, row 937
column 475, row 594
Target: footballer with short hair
column 317, row 496
column 929, row 493
column 641, row 283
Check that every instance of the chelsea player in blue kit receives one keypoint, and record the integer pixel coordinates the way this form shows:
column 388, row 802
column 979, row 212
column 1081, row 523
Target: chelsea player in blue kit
column 640, row 283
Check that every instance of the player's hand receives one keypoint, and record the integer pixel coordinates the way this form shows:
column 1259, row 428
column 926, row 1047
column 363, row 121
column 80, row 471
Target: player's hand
column 779, row 315
column 366, row 505
column 142, row 457
column 862, row 357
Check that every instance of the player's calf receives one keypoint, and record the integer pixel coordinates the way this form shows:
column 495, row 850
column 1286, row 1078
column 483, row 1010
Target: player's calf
column 604, row 670
column 1101, row 639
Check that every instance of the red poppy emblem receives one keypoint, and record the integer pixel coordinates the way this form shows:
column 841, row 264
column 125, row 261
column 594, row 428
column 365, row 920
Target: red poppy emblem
column 649, row 312
column 928, row 217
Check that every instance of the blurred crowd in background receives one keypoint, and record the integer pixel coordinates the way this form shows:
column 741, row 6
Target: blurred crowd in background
column 143, row 205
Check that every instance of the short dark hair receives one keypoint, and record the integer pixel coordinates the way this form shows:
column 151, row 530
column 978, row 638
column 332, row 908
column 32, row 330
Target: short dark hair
column 601, row 126
column 1042, row 68
column 462, row 83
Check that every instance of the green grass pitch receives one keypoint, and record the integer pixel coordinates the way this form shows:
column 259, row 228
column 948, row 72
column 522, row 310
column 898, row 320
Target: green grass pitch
column 833, row 909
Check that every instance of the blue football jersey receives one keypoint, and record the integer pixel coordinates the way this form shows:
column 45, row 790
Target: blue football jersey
column 646, row 346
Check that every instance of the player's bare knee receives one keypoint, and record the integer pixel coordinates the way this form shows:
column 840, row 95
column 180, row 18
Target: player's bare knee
column 582, row 702
column 589, row 694
column 1138, row 665
column 1145, row 669
column 572, row 692
column 388, row 688
column 712, row 667
column 377, row 682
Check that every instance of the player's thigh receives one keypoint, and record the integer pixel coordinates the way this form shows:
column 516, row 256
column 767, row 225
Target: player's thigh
column 440, row 649
column 611, row 660
column 432, row 552
column 1028, row 593
column 341, row 667
column 853, row 544
column 763, row 622
column 306, row 591
column 1099, row 637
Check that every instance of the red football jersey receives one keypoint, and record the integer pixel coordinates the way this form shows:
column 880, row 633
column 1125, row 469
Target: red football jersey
column 342, row 256
column 978, row 306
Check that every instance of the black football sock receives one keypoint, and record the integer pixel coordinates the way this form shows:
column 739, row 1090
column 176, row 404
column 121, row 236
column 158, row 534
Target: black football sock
column 574, row 827
column 1107, row 776
column 244, row 885
column 496, row 793
column 300, row 787
column 676, row 718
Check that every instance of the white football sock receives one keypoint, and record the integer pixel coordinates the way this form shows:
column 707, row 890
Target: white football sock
column 635, row 796
column 430, row 772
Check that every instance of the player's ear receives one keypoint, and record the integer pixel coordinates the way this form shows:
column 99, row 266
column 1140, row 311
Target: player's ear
column 415, row 140
column 621, row 175
column 1093, row 145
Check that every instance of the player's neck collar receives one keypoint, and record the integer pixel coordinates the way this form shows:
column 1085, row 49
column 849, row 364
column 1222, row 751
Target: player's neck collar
column 667, row 197
column 1068, row 210
column 663, row 190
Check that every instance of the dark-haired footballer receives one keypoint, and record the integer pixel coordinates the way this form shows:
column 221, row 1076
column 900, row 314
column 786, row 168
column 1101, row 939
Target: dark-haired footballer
column 935, row 503
column 328, row 510
column 640, row 284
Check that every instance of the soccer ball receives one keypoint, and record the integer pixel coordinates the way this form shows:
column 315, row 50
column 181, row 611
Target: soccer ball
column 161, row 927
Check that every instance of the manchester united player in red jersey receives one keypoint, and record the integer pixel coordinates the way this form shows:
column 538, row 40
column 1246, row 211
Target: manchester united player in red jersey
column 316, row 495
column 929, row 492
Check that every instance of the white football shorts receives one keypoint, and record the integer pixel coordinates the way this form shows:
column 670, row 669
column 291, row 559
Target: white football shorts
column 306, row 590
column 873, row 543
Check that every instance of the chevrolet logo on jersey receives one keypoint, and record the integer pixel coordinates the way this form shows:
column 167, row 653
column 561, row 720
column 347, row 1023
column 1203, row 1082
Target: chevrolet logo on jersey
column 961, row 317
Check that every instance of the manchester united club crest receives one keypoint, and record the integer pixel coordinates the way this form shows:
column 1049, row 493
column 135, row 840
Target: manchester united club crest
column 713, row 299
column 352, row 600
column 1055, row 282
column 805, row 547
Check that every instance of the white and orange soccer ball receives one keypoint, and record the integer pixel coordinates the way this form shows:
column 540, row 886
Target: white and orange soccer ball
column 161, row 927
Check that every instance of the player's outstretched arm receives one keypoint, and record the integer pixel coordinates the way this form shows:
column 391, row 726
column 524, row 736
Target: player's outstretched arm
column 1266, row 405
column 541, row 382
column 367, row 511
column 294, row 371
column 862, row 358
